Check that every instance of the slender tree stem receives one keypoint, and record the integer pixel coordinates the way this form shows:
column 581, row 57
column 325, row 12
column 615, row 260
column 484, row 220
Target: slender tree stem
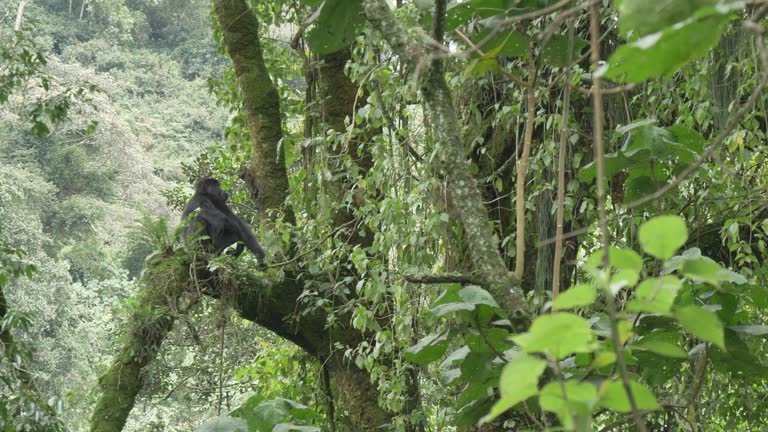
column 522, row 168
column 561, row 170
column 20, row 15
column 597, row 99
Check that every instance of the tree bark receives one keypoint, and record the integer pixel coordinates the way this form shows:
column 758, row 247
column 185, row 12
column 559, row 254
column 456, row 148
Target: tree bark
column 151, row 323
column 19, row 15
column 261, row 102
column 261, row 105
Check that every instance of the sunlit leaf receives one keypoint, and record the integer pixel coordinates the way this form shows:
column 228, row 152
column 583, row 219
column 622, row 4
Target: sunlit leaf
column 558, row 334
column 666, row 51
column 662, row 236
column 579, row 399
column 580, row 295
column 614, row 396
column 655, row 295
column 702, row 323
column 519, row 381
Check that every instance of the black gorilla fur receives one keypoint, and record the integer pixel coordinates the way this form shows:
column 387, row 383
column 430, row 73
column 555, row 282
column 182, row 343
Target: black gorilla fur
column 217, row 221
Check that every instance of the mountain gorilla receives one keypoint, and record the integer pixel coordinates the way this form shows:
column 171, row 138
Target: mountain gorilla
column 217, row 221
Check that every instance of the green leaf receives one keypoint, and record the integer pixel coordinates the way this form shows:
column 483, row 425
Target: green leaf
column 603, row 359
column 290, row 427
column 476, row 296
column 273, row 411
column 638, row 186
column 455, row 357
column 625, row 259
column 519, row 381
column 478, row 366
column 580, row 295
column 508, row 43
column 578, row 400
column 660, row 347
column 555, row 53
column 223, row 424
column 616, row 163
column 613, row 396
column 337, row 26
column 703, row 269
column 662, row 236
column 752, row 330
column 449, row 302
column 495, row 337
column 666, row 51
column 481, row 66
column 428, row 349
column 642, row 17
column 701, row 323
column 655, row 295
column 558, row 334
column 40, row 129
column 688, row 137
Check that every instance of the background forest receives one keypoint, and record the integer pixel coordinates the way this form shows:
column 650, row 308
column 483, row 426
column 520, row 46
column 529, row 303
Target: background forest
column 483, row 215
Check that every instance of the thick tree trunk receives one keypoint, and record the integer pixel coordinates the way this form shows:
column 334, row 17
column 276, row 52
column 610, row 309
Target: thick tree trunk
column 261, row 103
column 123, row 380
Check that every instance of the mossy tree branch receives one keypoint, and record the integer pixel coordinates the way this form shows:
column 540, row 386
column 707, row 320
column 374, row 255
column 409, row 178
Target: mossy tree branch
column 261, row 102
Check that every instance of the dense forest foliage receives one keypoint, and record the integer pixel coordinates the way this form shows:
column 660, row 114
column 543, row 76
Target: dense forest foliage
column 479, row 215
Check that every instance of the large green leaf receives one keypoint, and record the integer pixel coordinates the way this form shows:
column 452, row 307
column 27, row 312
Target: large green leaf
column 614, row 396
column 290, row 427
column 479, row 366
column 508, row 43
column 555, row 53
column 655, row 295
column 490, row 340
column 666, row 51
column 223, row 424
column 476, row 296
column 578, row 400
column 559, row 334
column 580, row 295
column 337, row 26
column 519, row 381
column 273, row 411
column 641, row 17
column 738, row 359
column 428, row 349
column 662, row 236
column 702, row 323
column 703, row 269
column 616, row 163
column 661, row 343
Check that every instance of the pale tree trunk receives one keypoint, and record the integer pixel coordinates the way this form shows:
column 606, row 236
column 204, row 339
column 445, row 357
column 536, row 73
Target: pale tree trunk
column 82, row 10
column 20, row 15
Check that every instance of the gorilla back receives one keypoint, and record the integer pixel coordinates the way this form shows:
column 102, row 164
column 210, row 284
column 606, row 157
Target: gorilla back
column 217, row 221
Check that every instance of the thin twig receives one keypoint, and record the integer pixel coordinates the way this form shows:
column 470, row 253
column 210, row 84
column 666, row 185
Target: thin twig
column 442, row 278
column 597, row 100
column 561, row 170
column 522, row 168
column 319, row 243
